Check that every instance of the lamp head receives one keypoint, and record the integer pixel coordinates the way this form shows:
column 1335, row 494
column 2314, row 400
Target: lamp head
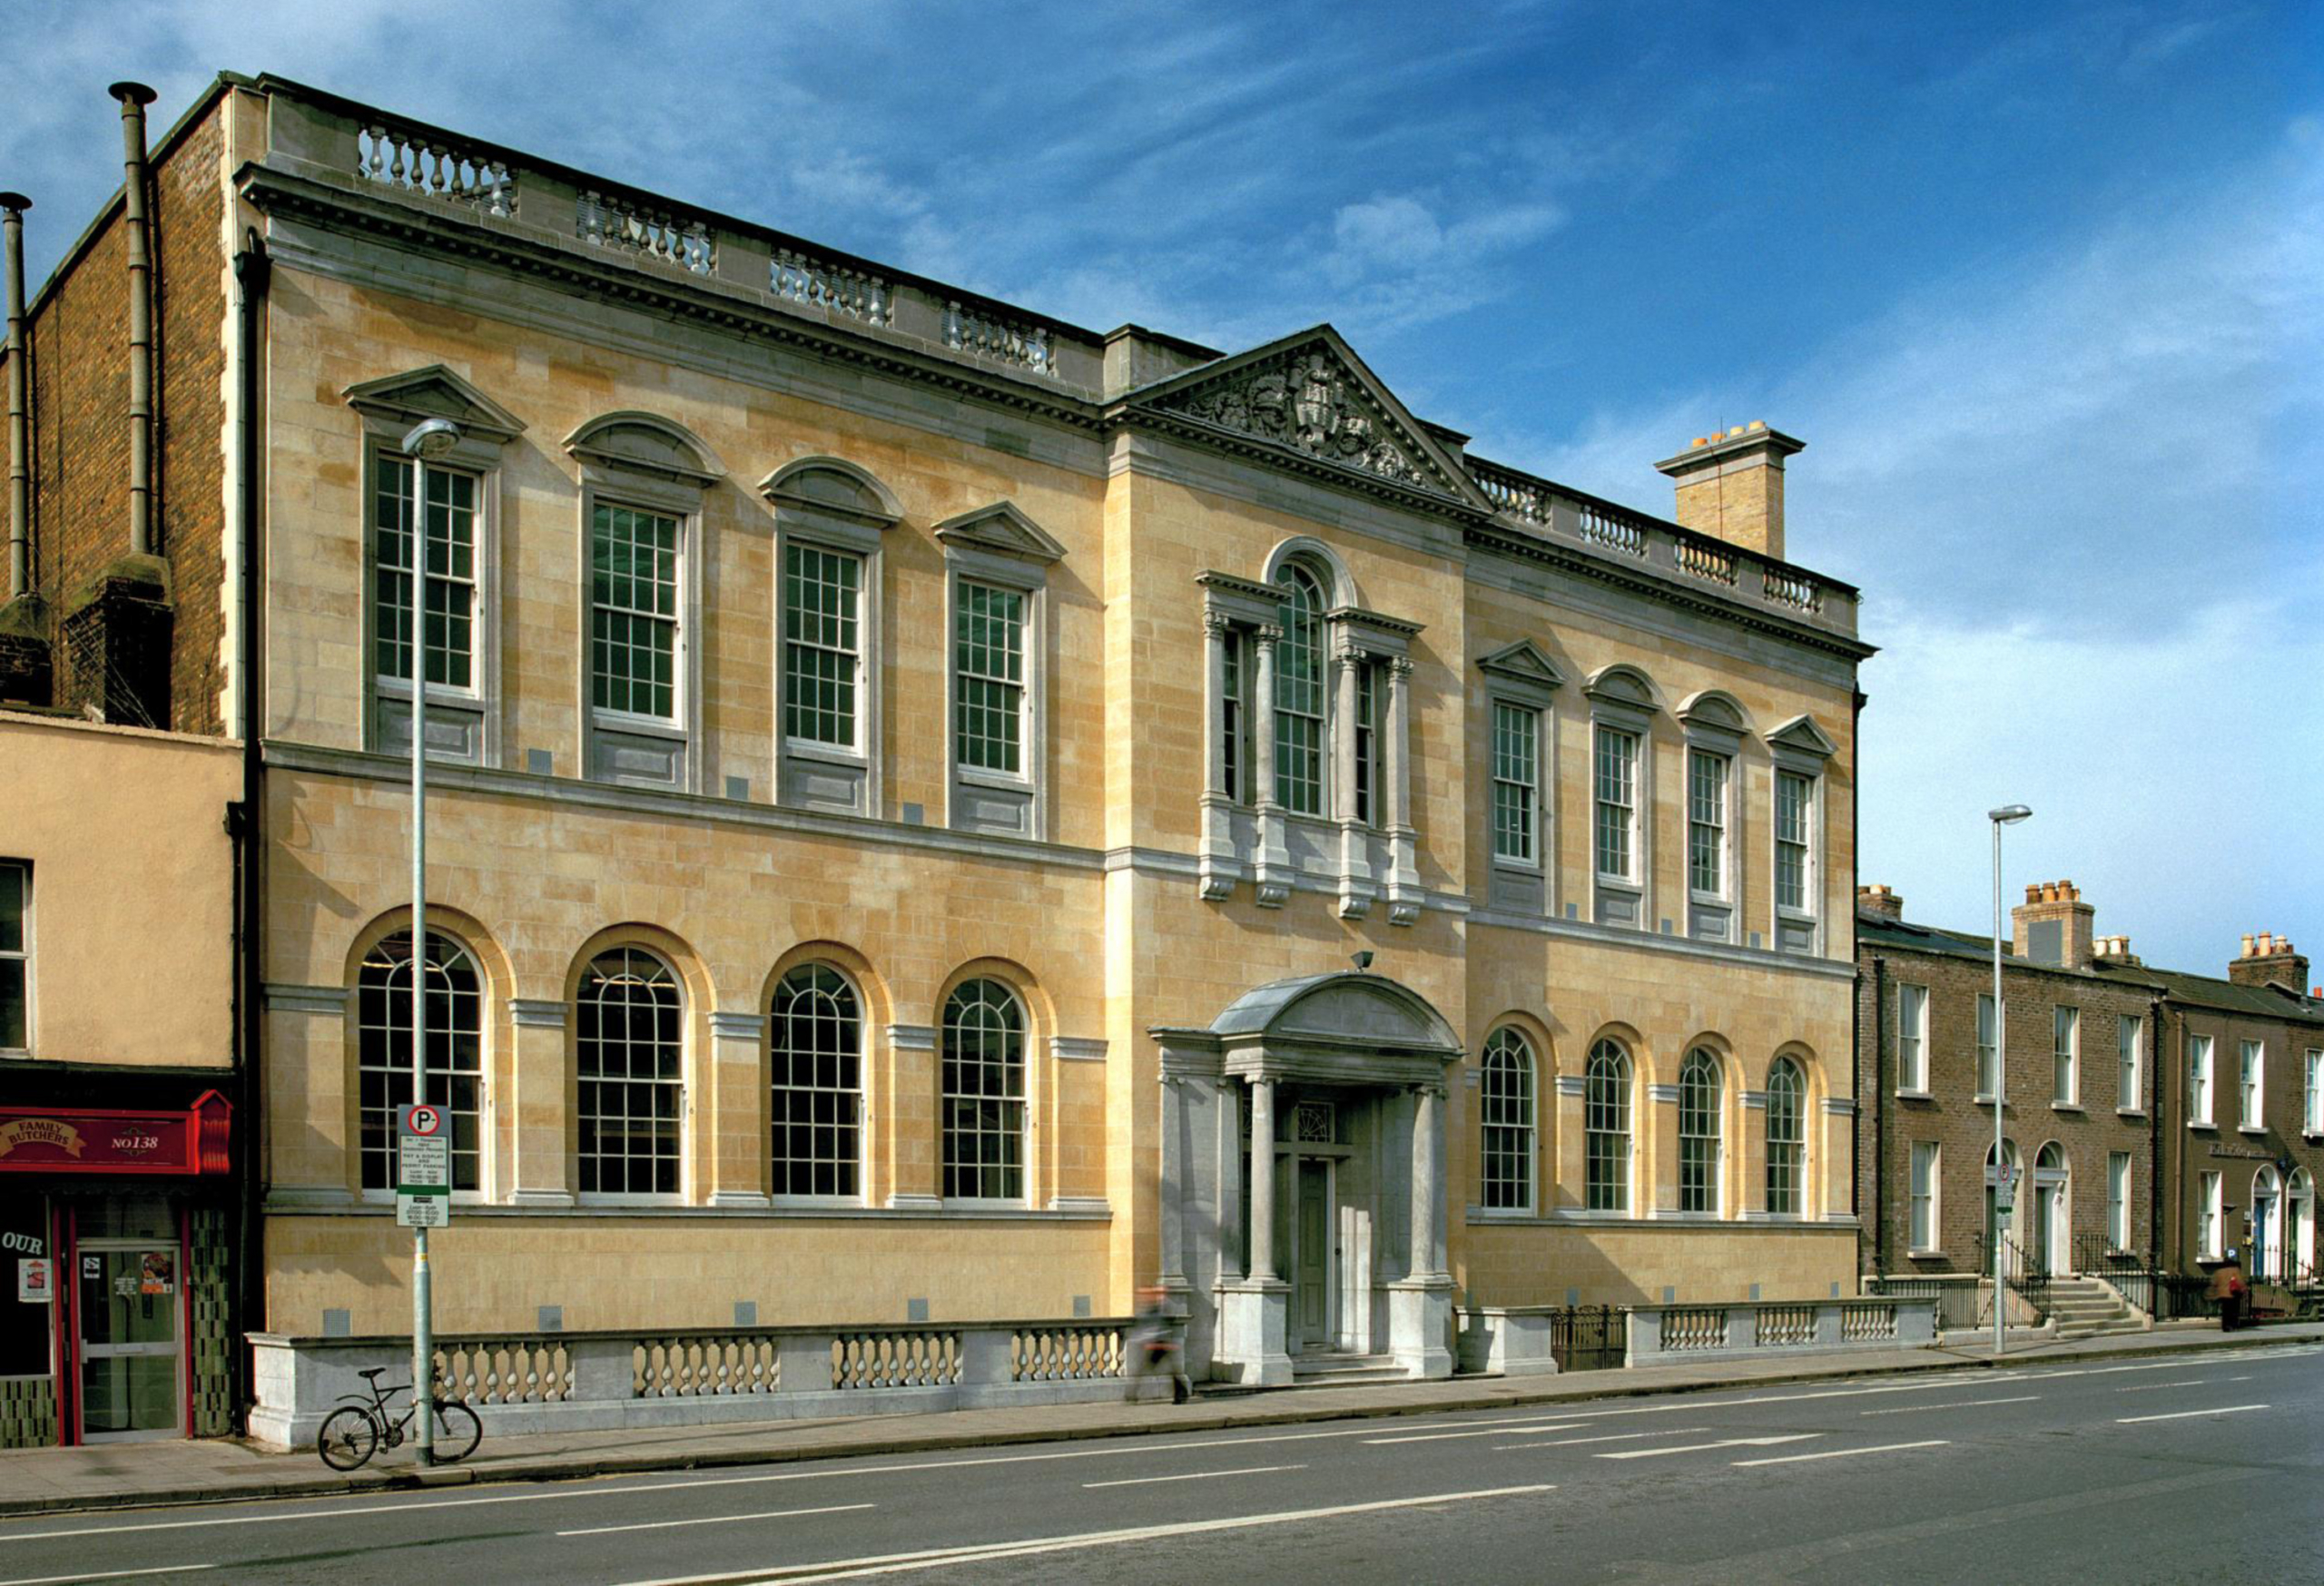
column 1363, row 960
column 432, row 437
column 2008, row 815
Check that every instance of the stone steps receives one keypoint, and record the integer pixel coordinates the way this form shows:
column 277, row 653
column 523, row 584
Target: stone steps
column 1335, row 1371
column 2088, row 1308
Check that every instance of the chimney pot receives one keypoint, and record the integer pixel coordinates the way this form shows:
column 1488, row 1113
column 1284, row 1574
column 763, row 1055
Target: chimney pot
column 2247, row 948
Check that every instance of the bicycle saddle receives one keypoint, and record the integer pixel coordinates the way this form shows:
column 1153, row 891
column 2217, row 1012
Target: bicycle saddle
column 375, row 1371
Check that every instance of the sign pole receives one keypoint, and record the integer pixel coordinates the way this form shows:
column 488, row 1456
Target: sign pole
column 423, row 1341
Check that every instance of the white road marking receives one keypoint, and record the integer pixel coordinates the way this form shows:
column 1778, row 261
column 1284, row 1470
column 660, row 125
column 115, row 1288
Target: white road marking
column 108, row 1575
column 1964, row 1404
column 2187, row 1414
column 1707, row 1447
column 1840, row 1394
column 1793, row 1458
column 716, row 1520
column 2193, row 1381
column 1499, row 1430
column 939, row 1558
column 1194, row 1476
column 1608, row 1437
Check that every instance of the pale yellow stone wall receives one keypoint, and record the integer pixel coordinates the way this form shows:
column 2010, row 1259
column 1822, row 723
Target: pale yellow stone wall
column 1619, row 1266
column 132, row 929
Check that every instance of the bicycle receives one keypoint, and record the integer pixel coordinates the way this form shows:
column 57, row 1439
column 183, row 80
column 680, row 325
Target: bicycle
column 352, row 1433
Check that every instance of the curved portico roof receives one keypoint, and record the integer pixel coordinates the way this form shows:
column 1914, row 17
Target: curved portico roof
column 1348, row 1007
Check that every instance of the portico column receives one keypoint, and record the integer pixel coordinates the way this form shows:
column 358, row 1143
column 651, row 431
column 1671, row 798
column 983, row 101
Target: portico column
column 1173, row 1189
column 1428, row 1168
column 1274, row 859
column 1403, row 873
column 1262, row 1261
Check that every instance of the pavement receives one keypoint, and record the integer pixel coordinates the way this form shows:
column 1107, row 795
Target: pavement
column 136, row 1475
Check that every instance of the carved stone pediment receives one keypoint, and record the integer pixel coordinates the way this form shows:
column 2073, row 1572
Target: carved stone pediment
column 647, row 444
column 1522, row 662
column 434, row 392
column 1801, row 735
column 1310, row 394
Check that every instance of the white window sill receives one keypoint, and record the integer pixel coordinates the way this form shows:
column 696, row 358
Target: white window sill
column 2202, row 1123
column 2130, row 1112
column 2065, row 1107
column 982, row 776
column 830, row 754
column 1911, row 1094
column 1516, row 866
column 1929, row 1253
column 1982, row 1098
column 2251, row 1128
column 635, row 1202
column 818, row 1203
column 1502, row 1213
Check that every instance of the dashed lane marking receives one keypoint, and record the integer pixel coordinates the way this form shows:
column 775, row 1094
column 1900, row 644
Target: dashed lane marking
column 1793, row 1458
column 1193, row 1476
column 716, row 1520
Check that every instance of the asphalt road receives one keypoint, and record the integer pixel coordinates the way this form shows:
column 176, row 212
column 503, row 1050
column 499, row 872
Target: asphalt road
column 2165, row 1470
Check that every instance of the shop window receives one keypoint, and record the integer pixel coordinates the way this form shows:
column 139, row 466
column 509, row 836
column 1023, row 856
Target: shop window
column 452, row 1001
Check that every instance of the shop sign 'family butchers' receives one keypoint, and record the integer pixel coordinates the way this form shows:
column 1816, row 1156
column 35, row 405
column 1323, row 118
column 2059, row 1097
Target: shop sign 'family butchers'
column 56, row 1141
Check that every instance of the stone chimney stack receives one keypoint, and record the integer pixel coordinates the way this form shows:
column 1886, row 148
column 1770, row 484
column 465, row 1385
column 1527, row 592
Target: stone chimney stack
column 1730, row 486
column 2053, row 926
column 1879, row 902
column 2269, row 957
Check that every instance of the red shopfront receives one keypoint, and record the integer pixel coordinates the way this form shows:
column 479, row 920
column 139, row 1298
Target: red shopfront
column 113, row 1290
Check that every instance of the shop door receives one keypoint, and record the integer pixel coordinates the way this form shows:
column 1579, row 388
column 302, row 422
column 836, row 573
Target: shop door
column 128, row 1305
column 1314, row 1256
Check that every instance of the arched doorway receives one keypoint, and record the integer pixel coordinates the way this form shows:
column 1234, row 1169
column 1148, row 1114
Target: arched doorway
column 2049, row 1237
column 2267, row 1231
column 2299, row 1218
column 1303, row 1178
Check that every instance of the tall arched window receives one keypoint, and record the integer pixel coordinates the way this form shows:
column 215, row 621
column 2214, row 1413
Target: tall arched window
column 629, row 1043
column 984, row 1093
column 453, row 1003
column 1506, row 1112
column 1786, row 1138
column 1698, row 1132
column 1299, row 694
column 1606, row 1129
column 815, row 1049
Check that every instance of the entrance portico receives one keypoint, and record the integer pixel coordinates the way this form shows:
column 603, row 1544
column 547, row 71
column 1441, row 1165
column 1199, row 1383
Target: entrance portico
column 1303, row 1178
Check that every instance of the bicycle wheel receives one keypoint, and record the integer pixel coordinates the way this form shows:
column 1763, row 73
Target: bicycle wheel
column 348, row 1437
column 458, row 1431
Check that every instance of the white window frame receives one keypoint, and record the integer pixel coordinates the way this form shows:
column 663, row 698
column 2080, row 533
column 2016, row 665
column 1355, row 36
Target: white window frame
column 1622, row 702
column 400, row 1024
column 1988, row 1076
column 1925, row 1190
column 1520, row 677
column 2065, row 1056
column 1709, row 817
column 1621, row 1186
column 861, row 1122
column 1326, row 713
column 684, row 1082
column 1024, row 1101
column 1526, row 788
column 1911, row 1038
column 828, row 505
column 1522, row 1127
column 2200, row 1078
column 2130, row 1064
column 1804, row 1122
column 1000, row 548
column 1801, row 749
column 1811, row 799
column 2312, row 1112
column 2118, row 1200
column 1713, row 731
column 23, row 952
column 1716, row 1168
column 677, row 738
column 2209, row 1213
column 2252, row 1087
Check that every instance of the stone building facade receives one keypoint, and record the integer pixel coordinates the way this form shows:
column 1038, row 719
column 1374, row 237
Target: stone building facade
column 2080, row 1123
column 910, row 776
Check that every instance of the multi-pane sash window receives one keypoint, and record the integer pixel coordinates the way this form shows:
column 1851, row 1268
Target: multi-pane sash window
column 1516, row 782
column 2250, row 1079
column 816, row 1049
column 988, row 677
column 822, row 651
column 1698, row 1132
column 1912, row 1037
column 1923, row 1195
column 16, row 964
column 1795, row 800
column 2209, row 1212
column 1786, row 1138
column 452, row 1006
column 2130, row 1056
column 1988, row 1046
column 2065, row 1056
column 2313, row 1111
column 1606, row 1130
column 2118, row 1200
column 441, row 504
column 1235, row 753
column 984, row 1094
column 628, row 1048
column 1616, row 802
column 1506, row 1112
column 1706, row 822
column 1367, row 744
column 1299, row 695
column 633, row 611
column 2199, row 1078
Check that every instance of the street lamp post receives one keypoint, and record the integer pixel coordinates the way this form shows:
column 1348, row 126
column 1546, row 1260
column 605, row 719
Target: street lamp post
column 430, row 438
column 2007, row 815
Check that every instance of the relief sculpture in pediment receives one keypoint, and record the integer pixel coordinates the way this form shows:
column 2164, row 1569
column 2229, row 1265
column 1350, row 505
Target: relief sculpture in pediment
column 1306, row 404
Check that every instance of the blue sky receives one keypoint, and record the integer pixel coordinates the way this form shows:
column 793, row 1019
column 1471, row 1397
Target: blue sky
column 2041, row 286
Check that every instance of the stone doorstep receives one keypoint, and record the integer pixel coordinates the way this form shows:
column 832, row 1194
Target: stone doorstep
column 105, row 1489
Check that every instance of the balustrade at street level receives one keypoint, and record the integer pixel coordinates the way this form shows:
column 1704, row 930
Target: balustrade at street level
column 582, row 1380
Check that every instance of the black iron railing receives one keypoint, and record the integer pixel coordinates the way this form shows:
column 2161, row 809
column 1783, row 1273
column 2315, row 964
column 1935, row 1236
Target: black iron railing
column 1589, row 1338
column 1960, row 1303
column 2027, row 1277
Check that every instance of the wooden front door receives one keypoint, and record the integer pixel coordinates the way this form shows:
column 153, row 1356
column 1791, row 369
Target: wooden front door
column 1313, row 1284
